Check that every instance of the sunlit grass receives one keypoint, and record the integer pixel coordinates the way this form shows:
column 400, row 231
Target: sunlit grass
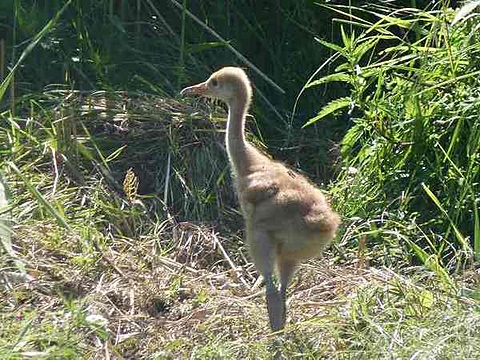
column 121, row 226
column 409, row 158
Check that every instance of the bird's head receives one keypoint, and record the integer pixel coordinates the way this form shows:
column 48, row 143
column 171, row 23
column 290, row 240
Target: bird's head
column 229, row 84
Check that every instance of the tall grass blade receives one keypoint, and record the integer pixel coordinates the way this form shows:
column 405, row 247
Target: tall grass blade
column 5, row 222
column 476, row 233
column 40, row 198
column 36, row 39
column 181, row 60
column 451, row 81
column 455, row 137
column 227, row 45
column 4, row 213
column 432, row 263
column 465, row 11
column 458, row 234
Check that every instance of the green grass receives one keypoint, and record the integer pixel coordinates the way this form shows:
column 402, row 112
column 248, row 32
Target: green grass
column 414, row 137
column 120, row 233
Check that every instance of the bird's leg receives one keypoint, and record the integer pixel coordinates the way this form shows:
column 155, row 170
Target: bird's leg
column 262, row 251
column 275, row 304
column 286, row 268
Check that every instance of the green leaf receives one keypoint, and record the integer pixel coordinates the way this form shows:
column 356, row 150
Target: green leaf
column 342, row 77
column 391, row 20
column 347, row 42
column 331, row 46
column 361, row 49
column 426, row 299
column 331, row 107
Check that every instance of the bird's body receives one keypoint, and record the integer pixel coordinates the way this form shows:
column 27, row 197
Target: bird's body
column 287, row 219
column 287, row 206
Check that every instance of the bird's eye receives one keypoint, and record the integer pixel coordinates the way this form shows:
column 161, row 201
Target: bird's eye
column 214, row 83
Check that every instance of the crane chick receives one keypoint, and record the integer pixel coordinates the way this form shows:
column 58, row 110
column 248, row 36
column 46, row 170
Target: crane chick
column 287, row 219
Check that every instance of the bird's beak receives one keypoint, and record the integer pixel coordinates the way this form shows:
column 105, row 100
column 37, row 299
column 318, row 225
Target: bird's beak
column 199, row 89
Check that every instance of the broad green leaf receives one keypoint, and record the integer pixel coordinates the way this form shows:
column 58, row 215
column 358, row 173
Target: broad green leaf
column 331, row 107
column 426, row 299
column 331, row 46
column 362, row 48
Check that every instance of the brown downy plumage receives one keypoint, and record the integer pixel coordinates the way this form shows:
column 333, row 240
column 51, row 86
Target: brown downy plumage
column 288, row 220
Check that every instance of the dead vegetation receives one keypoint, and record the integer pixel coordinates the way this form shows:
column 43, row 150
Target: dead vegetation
column 143, row 301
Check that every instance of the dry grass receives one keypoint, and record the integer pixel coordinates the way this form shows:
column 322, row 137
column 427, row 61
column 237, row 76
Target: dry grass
column 145, row 301
column 133, row 302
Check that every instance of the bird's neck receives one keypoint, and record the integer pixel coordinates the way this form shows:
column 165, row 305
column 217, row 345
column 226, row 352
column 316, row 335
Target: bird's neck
column 235, row 138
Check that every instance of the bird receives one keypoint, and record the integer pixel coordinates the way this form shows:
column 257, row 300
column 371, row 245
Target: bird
column 288, row 220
